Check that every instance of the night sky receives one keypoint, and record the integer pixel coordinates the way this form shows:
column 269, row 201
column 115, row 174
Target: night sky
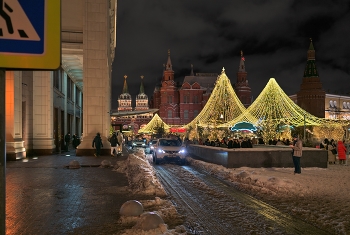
column 273, row 35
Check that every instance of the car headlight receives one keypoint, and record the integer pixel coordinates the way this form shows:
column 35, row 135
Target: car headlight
column 182, row 151
column 152, row 147
column 133, row 143
column 161, row 151
column 143, row 144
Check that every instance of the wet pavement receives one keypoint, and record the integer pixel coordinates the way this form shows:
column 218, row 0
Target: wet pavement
column 43, row 196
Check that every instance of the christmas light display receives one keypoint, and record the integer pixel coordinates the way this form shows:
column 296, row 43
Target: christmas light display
column 274, row 105
column 153, row 125
column 223, row 105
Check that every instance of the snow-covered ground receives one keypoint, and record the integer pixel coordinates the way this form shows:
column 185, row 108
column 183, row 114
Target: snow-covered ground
column 320, row 196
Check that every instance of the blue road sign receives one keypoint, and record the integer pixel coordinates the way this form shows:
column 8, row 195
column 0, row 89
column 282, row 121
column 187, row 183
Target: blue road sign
column 23, row 43
column 30, row 34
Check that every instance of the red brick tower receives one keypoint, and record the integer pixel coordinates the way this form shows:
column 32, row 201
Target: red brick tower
column 169, row 96
column 311, row 96
column 242, row 89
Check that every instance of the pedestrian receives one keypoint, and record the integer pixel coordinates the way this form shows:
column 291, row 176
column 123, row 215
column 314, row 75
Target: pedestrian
column 230, row 143
column 332, row 151
column 114, row 144
column 341, row 152
column 97, row 143
column 67, row 141
column 120, row 142
column 297, row 151
column 75, row 141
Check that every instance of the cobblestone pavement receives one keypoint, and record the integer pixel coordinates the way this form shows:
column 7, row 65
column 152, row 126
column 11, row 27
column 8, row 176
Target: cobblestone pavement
column 43, row 196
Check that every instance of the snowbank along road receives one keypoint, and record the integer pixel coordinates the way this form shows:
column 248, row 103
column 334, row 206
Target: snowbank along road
column 212, row 206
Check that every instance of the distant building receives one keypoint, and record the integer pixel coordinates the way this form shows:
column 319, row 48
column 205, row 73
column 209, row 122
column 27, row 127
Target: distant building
column 313, row 99
column 133, row 122
column 242, row 89
column 336, row 106
column 180, row 104
column 311, row 96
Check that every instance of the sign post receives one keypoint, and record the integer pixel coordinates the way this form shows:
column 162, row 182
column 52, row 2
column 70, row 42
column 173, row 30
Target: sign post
column 30, row 38
column 2, row 154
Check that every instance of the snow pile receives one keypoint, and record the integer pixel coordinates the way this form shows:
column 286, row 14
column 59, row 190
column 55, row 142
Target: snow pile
column 141, row 176
column 318, row 195
column 250, row 178
column 164, row 209
column 143, row 181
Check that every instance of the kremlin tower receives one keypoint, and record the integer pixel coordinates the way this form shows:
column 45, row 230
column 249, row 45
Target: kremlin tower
column 311, row 96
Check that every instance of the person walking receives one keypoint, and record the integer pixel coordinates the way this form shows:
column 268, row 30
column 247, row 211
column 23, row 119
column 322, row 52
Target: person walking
column 341, row 152
column 67, row 141
column 97, row 143
column 114, row 144
column 120, row 141
column 297, row 151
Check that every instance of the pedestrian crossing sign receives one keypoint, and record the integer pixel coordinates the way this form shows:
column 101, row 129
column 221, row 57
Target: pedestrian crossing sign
column 30, row 34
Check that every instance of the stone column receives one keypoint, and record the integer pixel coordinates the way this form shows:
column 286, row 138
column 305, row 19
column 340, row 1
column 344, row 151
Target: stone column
column 14, row 143
column 97, row 75
column 43, row 138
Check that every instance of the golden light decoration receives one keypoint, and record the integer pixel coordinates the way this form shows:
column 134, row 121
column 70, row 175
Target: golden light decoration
column 274, row 104
column 153, row 125
column 223, row 105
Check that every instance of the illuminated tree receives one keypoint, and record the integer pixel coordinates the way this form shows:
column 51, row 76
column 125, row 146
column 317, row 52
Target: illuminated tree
column 154, row 124
column 273, row 104
column 223, row 105
column 335, row 132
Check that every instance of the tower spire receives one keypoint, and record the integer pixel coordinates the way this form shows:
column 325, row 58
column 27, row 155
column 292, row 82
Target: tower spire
column 310, row 69
column 192, row 73
column 142, row 89
column 241, row 63
column 125, row 86
column 169, row 66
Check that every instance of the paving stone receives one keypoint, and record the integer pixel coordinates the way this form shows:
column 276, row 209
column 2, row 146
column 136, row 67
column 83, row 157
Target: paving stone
column 44, row 196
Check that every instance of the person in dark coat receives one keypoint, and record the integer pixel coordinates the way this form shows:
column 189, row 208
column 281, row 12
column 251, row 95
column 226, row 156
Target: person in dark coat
column 97, row 143
column 67, row 140
column 236, row 144
column 75, row 141
column 114, row 144
column 230, row 144
column 207, row 142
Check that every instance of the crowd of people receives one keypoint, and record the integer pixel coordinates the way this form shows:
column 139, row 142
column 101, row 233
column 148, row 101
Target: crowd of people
column 336, row 148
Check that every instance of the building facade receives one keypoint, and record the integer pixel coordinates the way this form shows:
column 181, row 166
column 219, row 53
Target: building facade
column 43, row 106
column 179, row 105
column 132, row 122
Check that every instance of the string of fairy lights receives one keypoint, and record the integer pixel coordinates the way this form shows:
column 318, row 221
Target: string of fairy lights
column 153, row 125
column 274, row 104
column 222, row 106
column 224, row 109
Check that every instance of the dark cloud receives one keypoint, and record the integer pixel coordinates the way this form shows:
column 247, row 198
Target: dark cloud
column 274, row 36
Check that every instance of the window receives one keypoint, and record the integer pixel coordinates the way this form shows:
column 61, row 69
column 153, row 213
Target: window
column 195, row 99
column 186, row 114
column 69, row 88
column 56, row 79
column 195, row 113
column 170, row 114
column 77, row 95
column 186, row 99
column 170, row 99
